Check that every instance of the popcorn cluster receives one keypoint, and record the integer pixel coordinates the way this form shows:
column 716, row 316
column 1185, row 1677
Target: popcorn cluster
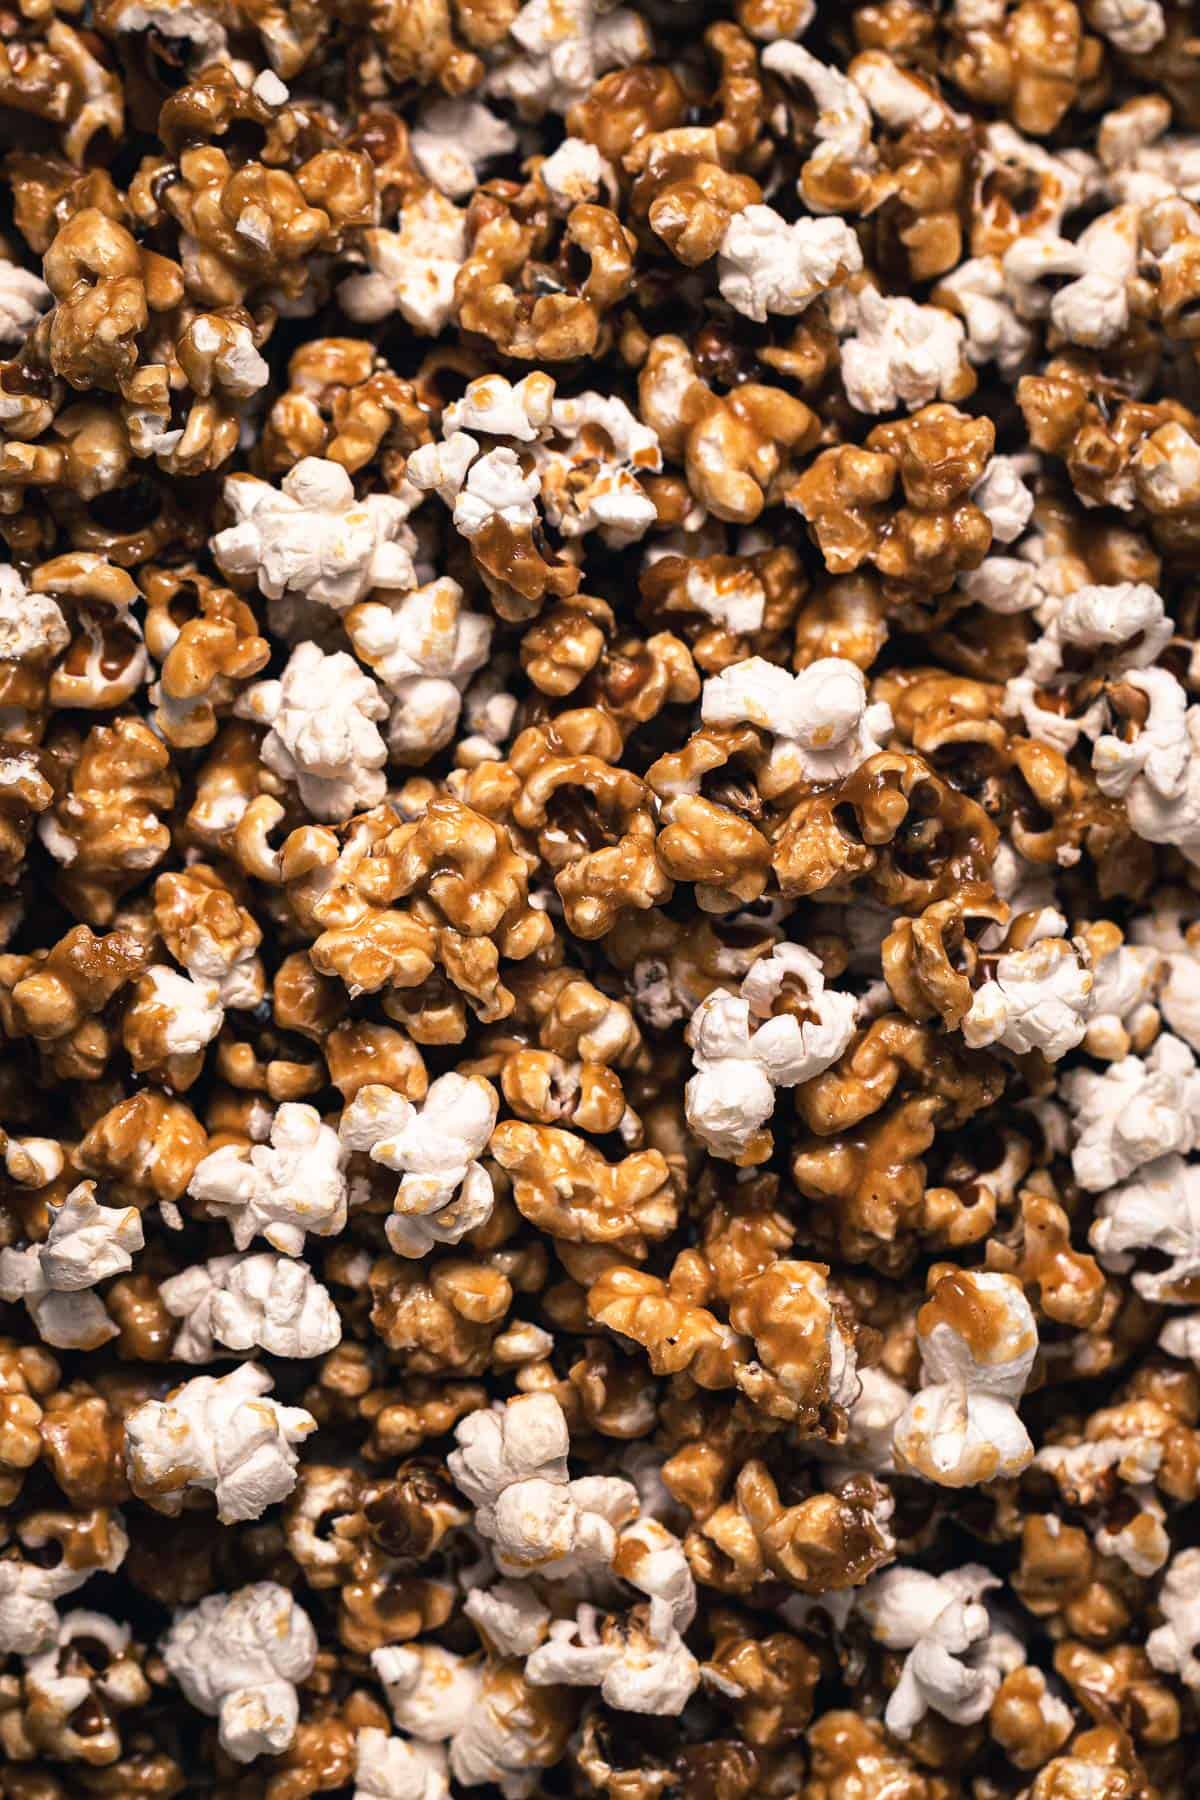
column 600, row 899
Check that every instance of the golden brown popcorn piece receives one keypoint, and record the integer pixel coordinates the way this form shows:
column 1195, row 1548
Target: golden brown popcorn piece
column 776, row 1674
column 931, row 964
column 55, row 996
column 144, row 1148
column 829, row 1541
column 343, row 403
column 107, row 825
column 1035, row 63
column 565, row 1187
column 676, row 1333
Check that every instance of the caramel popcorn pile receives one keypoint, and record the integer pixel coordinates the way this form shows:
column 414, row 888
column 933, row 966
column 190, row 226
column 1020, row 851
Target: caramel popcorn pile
column 600, row 899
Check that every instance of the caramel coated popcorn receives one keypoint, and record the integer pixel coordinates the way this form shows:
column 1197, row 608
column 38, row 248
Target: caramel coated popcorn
column 600, row 899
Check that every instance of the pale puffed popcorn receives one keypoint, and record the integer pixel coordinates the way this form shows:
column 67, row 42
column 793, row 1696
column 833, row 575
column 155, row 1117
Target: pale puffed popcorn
column 238, row 1658
column 425, row 647
column 1157, row 772
column 768, row 266
column 1173, row 1645
column 431, row 1691
column 281, row 1190
column 744, row 1049
column 24, row 297
column 843, row 124
column 444, row 1191
column 453, row 141
column 1137, row 1110
column 956, row 1658
column 589, row 473
column 256, row 1300
column 312, row 537
column 511, row 1464
column 86, row 1243
column 219, row 1435
column 411, row 271
column 497, row 489
column 575, row 173
column 323, row 715
column 821, row 721
column 978, row 1340
column 392, row 1768
column 1159, row 1211
column 184, row 1013
column 1039, row 998
column 900, row 354
column 494, row 407
column 29, row 1621
column 557, row 49
column 642, row 1667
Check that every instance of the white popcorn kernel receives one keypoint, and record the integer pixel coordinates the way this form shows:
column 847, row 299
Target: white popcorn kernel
column 218, row 1434
column 843, row 124
column 638, row 1667
column 282, row 1190
column 509, row 1617
column 452, row 140
column 1158, row 772
column 511, row 1463
column 563, row 47
column 1181, row 1337
column 54, row 1687
column 1039, row 998
column 901, row 354
column 411, row 271
column 956, row 1659
column 978, row 1341
column 1002, row 495
column 189, row 1011
column 391, row 1768
column 497, row 488
column 1134, row 26
column 31, row 625
column 742, row 1053
column 311, row 536
column 425, row 646
column 431, row 1692
column 495, row 407
column 445, row 1191
column 576, row 174
column 24, row 297
column 1158, row 1210
column 253, row 1301
column 1125, row 624
column 994, row 331
column 589, row 473
column 323, row 714
column 767, row 265
column 86, row 1243
column 1136, row 1111
column 1123, row 1012
column 238, row 1658
column 28, row 1590
column 733, row 598
column 821, row 721
column 441, row 468
column 1173, row 1646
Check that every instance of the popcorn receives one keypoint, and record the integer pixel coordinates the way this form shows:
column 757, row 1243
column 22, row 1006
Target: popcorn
column 1129, row 617
column 768, row 266
column 238, row 1658
column 1134, row 26
column 562, row 48
column 28, row 1590
column 323, row 713
column 219, row 1435
column 512, row 1465
column 978, row 1341
column 254, row 1301
column 576, row 173
column 425, row 647
column 1040, row 997
column 391, row 1768
column 1157, row 774
column 24, row 297
column 977, row 289
column 311, row 537
column 743, row 1051
column 644, row 1668
column 956, row 1659
column 820, row 719
column 1158, row 1210
column 495, row 407
column 445, row 1191
column 432, row 1692
column 453, row 141
column 86, row 1243
column 282, row 1190
column 411, row 271
column 1001, row 493
column 1172, row 1646
column 584, row 489
column 843, row 124
column 497, row 491
column 187, row 1014
column 1138, row 1110
column 901, row 354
